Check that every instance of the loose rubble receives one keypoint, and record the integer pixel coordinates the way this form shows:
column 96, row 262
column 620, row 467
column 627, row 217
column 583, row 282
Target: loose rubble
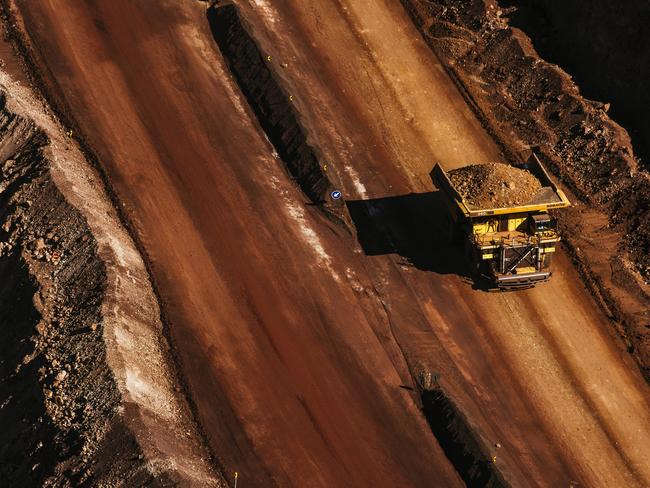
column 495, row 185
column 63, row 402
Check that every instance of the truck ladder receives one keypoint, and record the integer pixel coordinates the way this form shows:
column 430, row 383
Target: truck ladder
column 520, row 257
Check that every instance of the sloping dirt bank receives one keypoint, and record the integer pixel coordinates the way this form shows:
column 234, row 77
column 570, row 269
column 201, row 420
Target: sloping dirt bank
column 527, row 103
column 605, row 47
column 86, row 390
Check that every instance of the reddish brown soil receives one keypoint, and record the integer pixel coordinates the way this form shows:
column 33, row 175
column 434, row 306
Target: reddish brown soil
column 294, row 345
column 590, row 39
column 61, row 410
column 290, row 382
column 526, row 102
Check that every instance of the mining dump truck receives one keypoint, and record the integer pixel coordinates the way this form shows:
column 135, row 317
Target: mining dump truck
column 510, row 246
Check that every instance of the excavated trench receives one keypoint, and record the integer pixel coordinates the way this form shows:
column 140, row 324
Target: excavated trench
column 463, row 448
column 383, row 226
column 273, row 107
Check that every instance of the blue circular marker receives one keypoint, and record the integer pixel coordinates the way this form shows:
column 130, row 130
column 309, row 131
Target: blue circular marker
column 336, row 195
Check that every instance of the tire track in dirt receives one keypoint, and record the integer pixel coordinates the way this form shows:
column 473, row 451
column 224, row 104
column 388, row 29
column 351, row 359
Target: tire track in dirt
column 261, row 328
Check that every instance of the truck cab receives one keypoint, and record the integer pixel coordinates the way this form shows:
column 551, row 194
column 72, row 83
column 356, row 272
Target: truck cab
column 514, row 250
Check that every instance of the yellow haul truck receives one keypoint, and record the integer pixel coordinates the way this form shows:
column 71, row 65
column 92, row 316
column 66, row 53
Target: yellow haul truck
column 511, row 247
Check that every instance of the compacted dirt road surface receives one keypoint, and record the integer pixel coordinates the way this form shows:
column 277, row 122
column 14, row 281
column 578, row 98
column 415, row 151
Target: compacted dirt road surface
column 294, row 342
column 290, row 382
column 547, row 346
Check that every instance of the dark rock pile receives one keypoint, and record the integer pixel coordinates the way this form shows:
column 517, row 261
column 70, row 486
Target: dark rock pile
column 495, row 185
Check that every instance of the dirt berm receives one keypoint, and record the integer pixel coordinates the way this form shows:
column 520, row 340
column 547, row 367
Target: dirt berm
column 605, row 47
column 527, row 103
column 87, row 394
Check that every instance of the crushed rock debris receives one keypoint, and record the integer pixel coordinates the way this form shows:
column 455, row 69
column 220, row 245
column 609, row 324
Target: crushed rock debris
column 495, row 185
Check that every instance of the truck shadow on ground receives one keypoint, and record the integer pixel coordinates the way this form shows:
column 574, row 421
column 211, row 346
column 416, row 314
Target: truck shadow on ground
column 413, row 226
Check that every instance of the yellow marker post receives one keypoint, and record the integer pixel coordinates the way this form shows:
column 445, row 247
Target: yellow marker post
column 291, row 98
column 268, row 58
column 236, row 476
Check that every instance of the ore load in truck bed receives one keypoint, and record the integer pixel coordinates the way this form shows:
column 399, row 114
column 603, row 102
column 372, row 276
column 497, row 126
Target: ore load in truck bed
column 498, row 185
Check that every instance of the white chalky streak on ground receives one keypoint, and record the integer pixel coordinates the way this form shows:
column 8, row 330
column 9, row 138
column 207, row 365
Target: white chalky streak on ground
column 148, row 394
column 310, row 236
column 308, row 233
column 133, row 348
column 269, row 12
column 354, row 176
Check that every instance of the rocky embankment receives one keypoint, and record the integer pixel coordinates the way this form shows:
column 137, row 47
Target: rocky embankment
column 88, row 395
column 529, row 104
column 605, row 47
column 57, row 394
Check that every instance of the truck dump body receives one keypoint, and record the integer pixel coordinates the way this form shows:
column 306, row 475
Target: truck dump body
column 511, row 245
column 549, row 197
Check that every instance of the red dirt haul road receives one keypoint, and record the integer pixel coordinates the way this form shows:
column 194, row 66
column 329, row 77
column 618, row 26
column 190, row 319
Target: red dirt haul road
column 292, row 342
